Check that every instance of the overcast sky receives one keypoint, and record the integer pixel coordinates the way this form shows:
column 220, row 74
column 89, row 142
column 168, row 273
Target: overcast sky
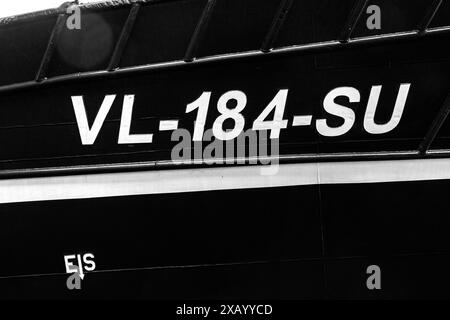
column 14, row 7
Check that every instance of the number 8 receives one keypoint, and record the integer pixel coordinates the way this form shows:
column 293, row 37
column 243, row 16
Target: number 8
column 239, row 120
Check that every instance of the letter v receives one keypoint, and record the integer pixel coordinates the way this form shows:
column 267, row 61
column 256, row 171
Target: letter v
column 87, row 135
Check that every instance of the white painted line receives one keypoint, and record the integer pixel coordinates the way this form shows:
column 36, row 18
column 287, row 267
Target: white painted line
column 168, row 125
column 302, row 121
column 224, row 178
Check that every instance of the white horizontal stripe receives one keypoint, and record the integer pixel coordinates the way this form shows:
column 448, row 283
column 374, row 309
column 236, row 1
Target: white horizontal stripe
column 302, row 121
column 168, row 125
column 232, row 177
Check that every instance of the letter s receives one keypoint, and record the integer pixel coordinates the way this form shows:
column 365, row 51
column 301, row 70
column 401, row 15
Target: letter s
column 337, row 110
column 89, row 262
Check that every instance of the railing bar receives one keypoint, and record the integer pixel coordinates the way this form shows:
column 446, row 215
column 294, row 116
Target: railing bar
column 173, row 165
column 316, row 47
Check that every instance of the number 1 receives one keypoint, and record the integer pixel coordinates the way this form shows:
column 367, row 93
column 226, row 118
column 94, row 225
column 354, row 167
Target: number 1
column 202, row 104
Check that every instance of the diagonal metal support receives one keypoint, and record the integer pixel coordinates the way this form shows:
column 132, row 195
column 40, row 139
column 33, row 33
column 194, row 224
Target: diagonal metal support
column 277, row 24
column 429, row 16
column 199, row 31
column 435, row 126
column 353, row 19
column 43, row 67
column 123, row 38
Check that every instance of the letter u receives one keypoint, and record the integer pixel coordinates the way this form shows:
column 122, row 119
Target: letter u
column 369, row 119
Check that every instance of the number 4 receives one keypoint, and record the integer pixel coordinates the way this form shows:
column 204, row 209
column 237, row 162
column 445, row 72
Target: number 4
column 278, row 103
